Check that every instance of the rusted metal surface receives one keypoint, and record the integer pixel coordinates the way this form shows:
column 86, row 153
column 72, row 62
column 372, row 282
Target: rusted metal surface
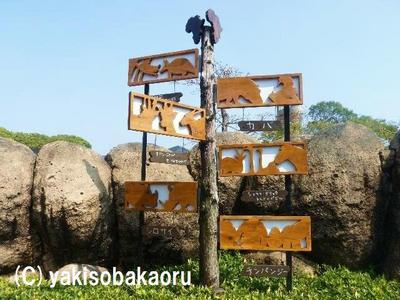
column 273, row 233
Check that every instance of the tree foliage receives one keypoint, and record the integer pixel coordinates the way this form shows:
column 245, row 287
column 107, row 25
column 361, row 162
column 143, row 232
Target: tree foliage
column 35, row 141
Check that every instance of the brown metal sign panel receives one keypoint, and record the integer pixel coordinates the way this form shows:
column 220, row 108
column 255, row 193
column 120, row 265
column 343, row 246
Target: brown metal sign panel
column 266, row 271
column 169, row 157
column 264, row 195
column 279, row 158
column 259, row 125
column 160, row 116
column 161, row 196
column 254, row 91
column 163, row 67
column 273, row 233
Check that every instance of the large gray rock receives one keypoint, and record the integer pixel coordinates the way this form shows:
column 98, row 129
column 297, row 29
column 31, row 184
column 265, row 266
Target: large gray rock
column 125, row 161
column 229, row 188
column 341, row 194
column 391, row 261
column 17, row 245
column 72, row 205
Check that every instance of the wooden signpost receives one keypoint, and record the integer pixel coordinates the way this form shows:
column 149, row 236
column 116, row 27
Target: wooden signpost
column 169, row 157
column 264, row 195
column 161, row 196
column 259, row 125
column 277, row 158
column 272, row 233
column 255, row 91
column 163, row 67
column 266, row 271
column 156, row 115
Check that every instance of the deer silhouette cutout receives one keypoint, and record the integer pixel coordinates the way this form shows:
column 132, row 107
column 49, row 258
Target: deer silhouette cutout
column 140, row 68
column 287, row 95
column 295, row 155
column 167, row 115
column 196, row 127
column 178, row 67
column 230, row 90
column 178, row 197
column 147, row 114
column 233, row 164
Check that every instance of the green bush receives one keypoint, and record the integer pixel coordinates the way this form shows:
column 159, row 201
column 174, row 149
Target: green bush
column 331, row 283
column 35, row 141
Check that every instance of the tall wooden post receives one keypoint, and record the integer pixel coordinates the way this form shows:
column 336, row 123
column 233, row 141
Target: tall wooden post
column 208, row 213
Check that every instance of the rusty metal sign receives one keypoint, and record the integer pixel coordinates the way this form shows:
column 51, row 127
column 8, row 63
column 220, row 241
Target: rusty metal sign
column 163, row 67
column 161, row 196
column 266, row 271
column 263, row 195
column 279, row 158
column 256, row 91
column 272, row 233
column 259, row 125
column 169, row 157
column 160, row 116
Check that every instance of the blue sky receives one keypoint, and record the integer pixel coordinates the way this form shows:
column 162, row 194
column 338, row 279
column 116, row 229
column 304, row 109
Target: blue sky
column 63, row 64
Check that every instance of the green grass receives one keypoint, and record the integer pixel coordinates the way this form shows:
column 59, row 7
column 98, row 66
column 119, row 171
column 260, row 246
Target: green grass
column 331, row 283
column 35, row 141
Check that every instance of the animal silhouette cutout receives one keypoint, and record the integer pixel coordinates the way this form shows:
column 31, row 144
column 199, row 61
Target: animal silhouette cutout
column 295, row 155
column 195, row 26
column 146, row 199
column 178, row 67
column 230, row 90
column 167, row 115
column 196, row 127
column 290, row 237
column 178, row 195
column 233, row 164
column 148, row 111
column 252, row 233
column 140, row 68
column 287, row 95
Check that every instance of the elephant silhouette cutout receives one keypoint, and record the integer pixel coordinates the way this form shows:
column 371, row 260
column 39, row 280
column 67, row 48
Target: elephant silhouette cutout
column 230, row 90
column 179, row 197
column 287, row 95
column 146, row 198
column 178, row 67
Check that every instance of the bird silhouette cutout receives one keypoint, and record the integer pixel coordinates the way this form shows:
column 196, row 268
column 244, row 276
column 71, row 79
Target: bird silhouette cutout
column 178, row 67
column 231, row 90
column 287, row 94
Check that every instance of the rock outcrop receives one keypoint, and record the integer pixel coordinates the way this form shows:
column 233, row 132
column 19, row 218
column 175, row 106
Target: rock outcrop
column 72, row 206
column 18, row 245
column 341, row 194
column 391, row 246
column 125, row 161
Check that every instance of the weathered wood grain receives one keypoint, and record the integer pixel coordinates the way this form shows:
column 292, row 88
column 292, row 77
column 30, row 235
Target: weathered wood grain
column 169, row 157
